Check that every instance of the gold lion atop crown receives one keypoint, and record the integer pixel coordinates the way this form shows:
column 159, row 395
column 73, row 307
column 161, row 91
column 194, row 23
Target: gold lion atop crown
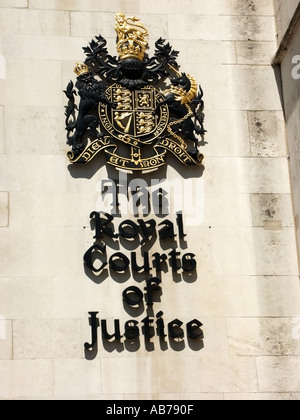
column 131, row 42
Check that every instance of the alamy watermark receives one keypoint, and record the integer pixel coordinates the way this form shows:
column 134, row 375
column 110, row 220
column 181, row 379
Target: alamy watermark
column 296, row 68
column 160, row 197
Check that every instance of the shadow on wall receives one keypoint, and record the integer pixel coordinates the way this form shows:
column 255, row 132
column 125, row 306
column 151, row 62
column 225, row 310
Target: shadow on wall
column 130, row 340
column 87, row 171
column 278, row 78
column 153, row 330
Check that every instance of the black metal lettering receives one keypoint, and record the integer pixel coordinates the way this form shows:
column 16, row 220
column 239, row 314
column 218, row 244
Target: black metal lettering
column 189, row 264
column 180, row 225
column 119, row 262
column 174, row 329
column 148, row 228
column 192, row 327
column 175, row 262
column 101, row 225
column 116, row 334
column 94, row 323
column 147, row 328
column 158, row 259
column 167, row 231
column 136, row 267
column 130, row 292
column 152, row 285
column 96, row 251
column 129, row 229
column 131, row 330
column 160, row 325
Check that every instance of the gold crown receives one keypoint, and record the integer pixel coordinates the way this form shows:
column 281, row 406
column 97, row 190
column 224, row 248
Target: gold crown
column 80, row 69
column 131, row 42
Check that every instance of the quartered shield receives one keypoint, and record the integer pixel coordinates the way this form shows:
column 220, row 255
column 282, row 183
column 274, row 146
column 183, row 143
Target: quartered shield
column 133, row 119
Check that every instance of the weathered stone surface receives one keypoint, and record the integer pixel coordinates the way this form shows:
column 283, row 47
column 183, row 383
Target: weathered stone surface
column 228, row 374
column 258, row 52
column 4, row 209
column 278, row 374
column 272, row 209
column 262, row 337
column 238, row 213
column 14, row 3
column 266, row 131
column 17, row 379
column 1, row 129
column 30, row 22
column 6, row 339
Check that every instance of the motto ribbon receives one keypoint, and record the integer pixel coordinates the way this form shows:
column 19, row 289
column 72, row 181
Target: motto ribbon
column 141, row 164
column 179, row 152
column 90, row 151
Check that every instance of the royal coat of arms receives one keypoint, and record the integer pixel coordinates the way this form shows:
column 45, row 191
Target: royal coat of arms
column 133, row 108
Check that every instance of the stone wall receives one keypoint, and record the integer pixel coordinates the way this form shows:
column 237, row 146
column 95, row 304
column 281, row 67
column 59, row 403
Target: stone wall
column 284, row 14
column 246, row 288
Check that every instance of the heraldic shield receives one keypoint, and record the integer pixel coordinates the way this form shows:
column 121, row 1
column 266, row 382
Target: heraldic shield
column 123, row 114
column 134, row 120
